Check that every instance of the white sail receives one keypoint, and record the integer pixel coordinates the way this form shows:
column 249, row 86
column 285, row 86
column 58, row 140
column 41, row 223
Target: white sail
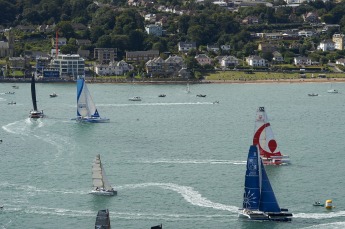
column 99, row 179
column 86, row 106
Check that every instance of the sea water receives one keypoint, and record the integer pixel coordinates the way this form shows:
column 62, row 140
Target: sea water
column 178, row 160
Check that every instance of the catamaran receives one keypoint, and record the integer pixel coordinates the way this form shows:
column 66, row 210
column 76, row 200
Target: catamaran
column 264, row 139
column 100, row 183
column 86, row 108
column 34, row 113
column 259, row 201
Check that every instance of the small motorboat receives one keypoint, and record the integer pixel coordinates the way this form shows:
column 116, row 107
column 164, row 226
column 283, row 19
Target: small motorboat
column 162, row 95
column 216, row 102
column 11, row 103
column 318, row 204
column 313, row 94
column 334, row 91
column 135, row 98
column 200, row 95
column 10, row 92
column 15, row 87
column 53, row 95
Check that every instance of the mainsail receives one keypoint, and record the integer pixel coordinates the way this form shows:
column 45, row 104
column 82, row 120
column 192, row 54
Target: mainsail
column 258, row 192
column 263, row 135
column 86, row 106
column 33, row 93
column 99, row 179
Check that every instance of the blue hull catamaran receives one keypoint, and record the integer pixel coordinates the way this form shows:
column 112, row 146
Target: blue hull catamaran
column 86, row 108
column 259, row 201
column 34, row 113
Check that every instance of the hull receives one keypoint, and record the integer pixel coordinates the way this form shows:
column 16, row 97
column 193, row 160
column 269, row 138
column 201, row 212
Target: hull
column 36, row 114
column 92, row 120
column 135, row 99
column 265, row 216
column 276, row 160
column 104, row 193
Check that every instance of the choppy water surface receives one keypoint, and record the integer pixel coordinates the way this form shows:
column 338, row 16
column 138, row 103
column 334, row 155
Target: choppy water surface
column 178, row 160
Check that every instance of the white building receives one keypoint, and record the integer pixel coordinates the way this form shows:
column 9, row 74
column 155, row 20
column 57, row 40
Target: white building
column 229, row 61
column 256, row 61
column 69, row 65
column 326, row 45
column 155, row 30
column 113, row 68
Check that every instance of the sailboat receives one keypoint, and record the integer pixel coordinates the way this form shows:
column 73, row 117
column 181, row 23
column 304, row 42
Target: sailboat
column 34, row 113
column 86, row 108
column 100, row 183
column 332, row 90
column 188, row 88
column 264, row 139
column 259, row 201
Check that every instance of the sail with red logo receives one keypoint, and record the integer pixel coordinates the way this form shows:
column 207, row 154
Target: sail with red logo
column 264, row 139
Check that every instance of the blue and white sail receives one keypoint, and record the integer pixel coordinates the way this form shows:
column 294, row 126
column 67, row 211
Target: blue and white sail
column 259, row 201
column 86, row 108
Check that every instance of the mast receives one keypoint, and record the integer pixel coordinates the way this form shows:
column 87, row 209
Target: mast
column 33, row 93
column 57, row 43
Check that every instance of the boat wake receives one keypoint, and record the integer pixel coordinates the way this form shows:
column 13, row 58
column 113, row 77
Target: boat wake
column 188, row 193
column 29, row 127
column 40, row 210
column 335, row 225
column 179, row 161
column 154, row 104
column 328, row 215
column 23, row 127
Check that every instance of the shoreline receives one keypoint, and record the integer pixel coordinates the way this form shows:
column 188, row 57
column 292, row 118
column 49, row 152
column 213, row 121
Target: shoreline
column 167, row 82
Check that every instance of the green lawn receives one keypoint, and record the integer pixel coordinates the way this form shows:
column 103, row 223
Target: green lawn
column 239, row 75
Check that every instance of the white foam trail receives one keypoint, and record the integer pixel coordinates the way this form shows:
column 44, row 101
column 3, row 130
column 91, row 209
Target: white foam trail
column 335, row 225
column 328, row 215
column 179, row 161
column 40, row 210
column 28, row 127
column 188, row 193
column 154, row 104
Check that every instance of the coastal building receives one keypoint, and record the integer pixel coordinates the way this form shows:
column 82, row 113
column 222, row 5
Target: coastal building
column 186, row 46
column 155, row 30
column 228, row 61
column 302, row 60
column 277, row 57
column 160, row 67
column 69, row 65
column 7, row 46
column 105, row 55
column 203, row 59
column 113, row 68
column 19, row 63
column 326, row 45
column 305, row 33
column 213, row 48
column 225, row 47
column 340, row 61
column 256, row 61
column 139, row 56
column 267, row 47
column 311, row 17
column 41, row 64
column 61, row 41
column 339, row 41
